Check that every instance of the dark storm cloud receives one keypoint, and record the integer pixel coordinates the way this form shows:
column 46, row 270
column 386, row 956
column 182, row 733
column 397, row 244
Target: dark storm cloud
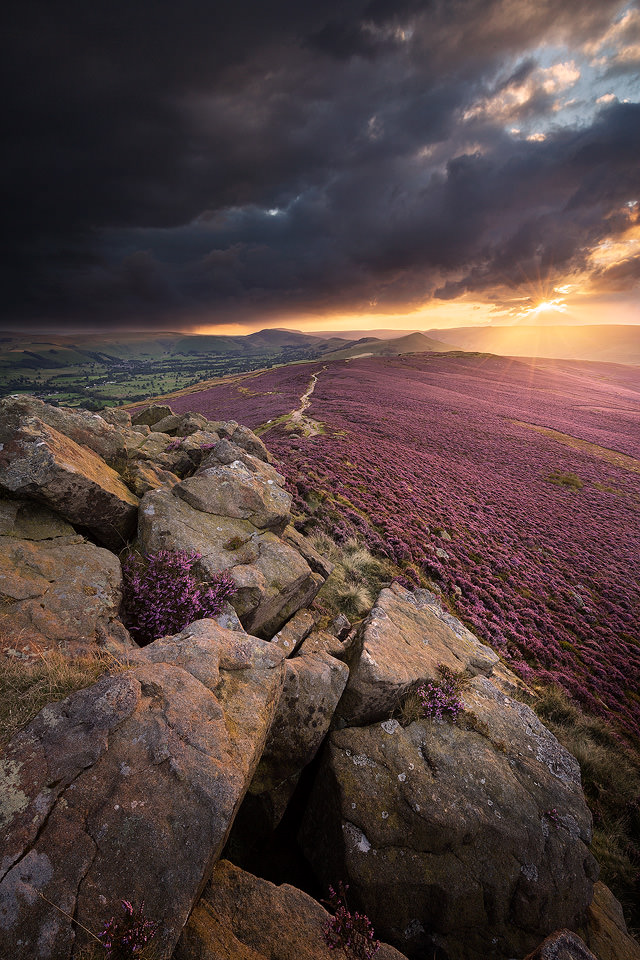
column 173, row 161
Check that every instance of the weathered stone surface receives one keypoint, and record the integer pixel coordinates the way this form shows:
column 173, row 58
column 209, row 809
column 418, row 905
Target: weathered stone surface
column 234, row 491
column 296, row 630
column 340, row 626
column 116, row 416
column 190, row 423
column 38, row 462
column 313, row 686
column 322, row 640
column 226, row 452
column 562, row 945
column 127, row 790
column 55, row 588
column 273, row 580
column 142, row 476
column 316, row 561
column 472, row 838
column 403, row 641
column 247, row 439
column 31, row 521
column 169, row 424
column 242, row 917
column 607, row 933
column 151, row 415
column 164, row 452
column 84, row 428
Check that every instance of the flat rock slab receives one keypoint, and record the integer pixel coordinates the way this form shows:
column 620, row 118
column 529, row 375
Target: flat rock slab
column 404, row 640
column 38, row 462
column 242, row 917
column 273, row 580
column 127, row 790
column 472, row 838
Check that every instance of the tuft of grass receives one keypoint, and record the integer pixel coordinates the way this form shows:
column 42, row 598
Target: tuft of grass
column 339, row 595
column 357, row 577
column 26, row 686
column 410, row 709
column 571, row 480
column 611, row 781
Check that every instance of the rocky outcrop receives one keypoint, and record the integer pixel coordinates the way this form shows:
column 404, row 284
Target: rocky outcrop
column 312, row 687
column 40, row 463
column 404, row 640
column 607, row 933
column 273, row 580
column 56, row 589
column 241, row 917
column 469, row 838
column 127, row 790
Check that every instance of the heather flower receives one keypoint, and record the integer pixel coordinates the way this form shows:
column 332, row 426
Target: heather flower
column 125, row 937
column 161, row 596
column 350, row 931
column 441, row 699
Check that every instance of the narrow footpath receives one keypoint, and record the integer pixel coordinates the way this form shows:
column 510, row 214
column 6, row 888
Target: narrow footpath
column 307, row 426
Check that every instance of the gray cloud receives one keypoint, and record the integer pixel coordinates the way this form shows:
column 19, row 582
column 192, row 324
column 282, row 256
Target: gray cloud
column 169, row 161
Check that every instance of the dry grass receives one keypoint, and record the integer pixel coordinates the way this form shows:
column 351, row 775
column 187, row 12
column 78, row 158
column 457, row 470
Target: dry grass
column 410, row 709
column 611, row 781
column 357, row 577
column 28, row 685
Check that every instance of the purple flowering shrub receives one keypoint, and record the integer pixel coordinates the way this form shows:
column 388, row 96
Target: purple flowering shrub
column 421, row 446
column 126, row 937
column 161, row 596
column 441, row 699
column 349, row 931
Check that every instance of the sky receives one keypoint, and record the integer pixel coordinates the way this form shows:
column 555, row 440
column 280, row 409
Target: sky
column 224, row 167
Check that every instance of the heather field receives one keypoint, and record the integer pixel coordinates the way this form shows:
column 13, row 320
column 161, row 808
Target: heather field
column 512, row 485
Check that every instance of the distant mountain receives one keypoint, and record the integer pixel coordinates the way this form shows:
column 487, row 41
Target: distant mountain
column 383, row 333
column 373, row 347
column 615, row 343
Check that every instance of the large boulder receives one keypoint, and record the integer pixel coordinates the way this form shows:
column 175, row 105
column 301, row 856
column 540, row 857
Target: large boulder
column 273, row 580
column 404, row 641
column 56, row 589
column 242, row 917
column 312, row 687
column 471, row 839
column 40, row 463
column 234, row 491
column 127, row 790
column 106, row 438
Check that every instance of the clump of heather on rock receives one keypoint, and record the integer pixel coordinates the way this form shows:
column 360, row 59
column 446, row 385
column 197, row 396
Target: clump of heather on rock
column 161, row 595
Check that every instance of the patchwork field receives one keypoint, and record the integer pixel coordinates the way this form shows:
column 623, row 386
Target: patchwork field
column 514, row 485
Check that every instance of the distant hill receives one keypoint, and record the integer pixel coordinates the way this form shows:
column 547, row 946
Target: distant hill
column 373, row 347
column 381, row 333
column 615, row 343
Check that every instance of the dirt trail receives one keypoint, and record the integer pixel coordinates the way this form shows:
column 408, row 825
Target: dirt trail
column 307, row 426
